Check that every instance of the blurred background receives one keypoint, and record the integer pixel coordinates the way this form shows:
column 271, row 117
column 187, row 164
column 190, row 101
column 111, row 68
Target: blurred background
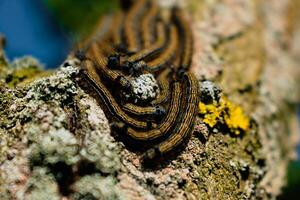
column 291, row 191
column 47, row 30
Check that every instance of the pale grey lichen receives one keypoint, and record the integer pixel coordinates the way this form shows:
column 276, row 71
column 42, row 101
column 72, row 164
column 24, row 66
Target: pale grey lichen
column 45, row 130
column 209, row 92
column 56, row 146
column 13, row 172
column 4, row 140
column 42, row 117
column 144, row 87
column 98, row 145
column 41, row 185
column 25, row 62
column 52, row 141
column 58, row 87
column 95, row 116
column 97, row 150
column 46, row 118
column 96, row 187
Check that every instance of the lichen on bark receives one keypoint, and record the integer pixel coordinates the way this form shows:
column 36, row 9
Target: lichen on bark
column 56, row 142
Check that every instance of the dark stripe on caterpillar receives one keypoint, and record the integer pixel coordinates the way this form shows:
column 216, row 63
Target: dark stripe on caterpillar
column 187, row 39
column 131, row 26
column 148, row 26
column 169, row 52
column 91, row 76
column 116, row 30
column 153, row 112
column 101, row 63
column 185, row 124
column 164, row 84
column 154, row 48
column 168, row 121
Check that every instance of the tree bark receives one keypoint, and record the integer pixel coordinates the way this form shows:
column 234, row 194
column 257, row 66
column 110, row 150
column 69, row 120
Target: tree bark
column 56, row 139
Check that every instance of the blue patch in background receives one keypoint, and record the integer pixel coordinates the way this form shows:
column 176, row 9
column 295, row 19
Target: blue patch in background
column 30, row 30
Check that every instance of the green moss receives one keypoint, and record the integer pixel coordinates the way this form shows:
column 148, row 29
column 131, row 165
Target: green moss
column 3, row 66
column 227, row 167
column 22, row 70
column 6, row 121
column 19, row 75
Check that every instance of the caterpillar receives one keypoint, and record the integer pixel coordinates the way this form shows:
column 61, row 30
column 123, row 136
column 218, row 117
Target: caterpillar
column 117, row 29
column 148, row 25
column 164, row 84
column 91, row 76
column 101, row 64
column 186, row 122
column 168, row 121
column 131, row 30
column 137, row 40
column 169, row 52
column 153, row 49
column 155, row 112
column 187, row 38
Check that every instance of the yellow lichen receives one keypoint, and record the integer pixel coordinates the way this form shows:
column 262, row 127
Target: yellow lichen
column 235, row 118
column 224, row 112
column 211, row 113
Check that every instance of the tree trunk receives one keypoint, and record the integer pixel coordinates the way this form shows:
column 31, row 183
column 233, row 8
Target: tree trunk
column 56, row 143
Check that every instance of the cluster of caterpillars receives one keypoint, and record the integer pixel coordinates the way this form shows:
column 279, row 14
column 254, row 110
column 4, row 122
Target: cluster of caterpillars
column 134, row 41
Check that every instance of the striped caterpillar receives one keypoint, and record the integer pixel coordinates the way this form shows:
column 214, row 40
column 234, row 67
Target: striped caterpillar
column 169, row 120
column 162, row 60
column 187, row 39
column 155, row 112
column 131, row 30
column 185, row 124
column 91, row 76
column 148, row 25
column 152, row 49
column 136, row 42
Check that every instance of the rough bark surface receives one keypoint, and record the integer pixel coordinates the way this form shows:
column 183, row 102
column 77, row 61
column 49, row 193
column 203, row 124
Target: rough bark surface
column 56, row 143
